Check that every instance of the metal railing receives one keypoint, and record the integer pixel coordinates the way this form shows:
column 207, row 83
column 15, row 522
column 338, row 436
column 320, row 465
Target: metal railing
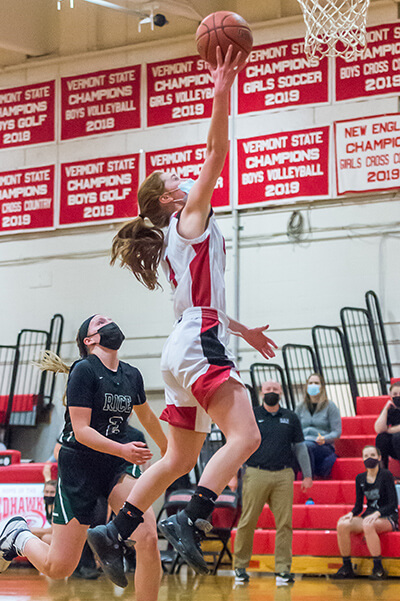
column 9, row 358
column 300, row 362
column 374, row 310
column 335, row 365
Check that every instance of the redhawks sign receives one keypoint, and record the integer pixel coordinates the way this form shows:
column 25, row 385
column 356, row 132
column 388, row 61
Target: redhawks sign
column 376, row 71
column 279, row 75
column 99, row 190
column 27, row 115
column 27, row 199
column 187, row 162
column 102, row 102
column 178, row 90
column 23, row 499
column 284, row 166
column 368, row 154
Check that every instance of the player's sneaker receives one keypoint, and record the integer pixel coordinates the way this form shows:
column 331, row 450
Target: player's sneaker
column 378, row 574
column 241, row 575
column 185, row 536
column 108, row 547
column 13, row 527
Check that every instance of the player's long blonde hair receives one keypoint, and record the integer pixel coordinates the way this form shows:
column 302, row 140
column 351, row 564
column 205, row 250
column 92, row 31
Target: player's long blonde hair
column 138, row 244
column 50, row 361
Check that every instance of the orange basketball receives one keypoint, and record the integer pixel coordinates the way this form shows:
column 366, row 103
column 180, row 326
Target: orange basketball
column 223, row 28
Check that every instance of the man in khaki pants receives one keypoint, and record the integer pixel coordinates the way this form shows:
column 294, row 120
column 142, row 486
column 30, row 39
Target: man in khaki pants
column 269, row 479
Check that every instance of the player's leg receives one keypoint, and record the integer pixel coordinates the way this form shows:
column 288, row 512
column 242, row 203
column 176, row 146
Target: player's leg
column 372, row 530
column 345, row 528
column 148, row 564
column 57, row 560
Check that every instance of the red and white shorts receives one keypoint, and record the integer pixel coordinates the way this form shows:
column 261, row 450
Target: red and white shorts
column 195, row 362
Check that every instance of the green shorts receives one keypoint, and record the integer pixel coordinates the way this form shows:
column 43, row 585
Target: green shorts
column 83, row 477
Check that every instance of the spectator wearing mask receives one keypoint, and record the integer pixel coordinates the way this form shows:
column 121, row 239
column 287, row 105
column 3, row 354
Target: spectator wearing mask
column 269, row 479
column 321, row 424
column 380, row 515
column 387, row 427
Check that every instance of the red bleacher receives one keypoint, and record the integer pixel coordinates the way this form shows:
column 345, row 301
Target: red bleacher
column 314, row 526
column 21, row 403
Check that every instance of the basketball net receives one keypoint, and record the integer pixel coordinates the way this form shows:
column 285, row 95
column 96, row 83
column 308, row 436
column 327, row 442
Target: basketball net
column 335, row 27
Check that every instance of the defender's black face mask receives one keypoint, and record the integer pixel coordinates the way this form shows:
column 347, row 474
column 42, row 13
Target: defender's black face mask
column 111, row 336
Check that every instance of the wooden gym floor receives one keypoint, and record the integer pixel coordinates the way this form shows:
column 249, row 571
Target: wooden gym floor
column 25, row 584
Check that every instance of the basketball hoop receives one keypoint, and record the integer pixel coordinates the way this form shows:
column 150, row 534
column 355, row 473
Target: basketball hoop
column 335, row 27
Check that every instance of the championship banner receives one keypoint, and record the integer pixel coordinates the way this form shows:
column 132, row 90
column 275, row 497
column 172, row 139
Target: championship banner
column 279, row 75
column 178, row 90
column 101, row 102
column 368, row 154
column 186, row 162
column 27, row 115
column 284, row 166
column 25, row 500
column 377, row 71
column 27, row 199
column 99, row 190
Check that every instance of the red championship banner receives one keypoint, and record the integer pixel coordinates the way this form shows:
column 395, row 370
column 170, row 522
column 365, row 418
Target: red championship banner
column 27, row 115
column 368, row 154
column 99, row 190
column 187, row 162
column 178, row 90
column 101, row 102
column 284, row 166
column 23, row 499
column 27, row 199
column 377, row 71
column 279, row 75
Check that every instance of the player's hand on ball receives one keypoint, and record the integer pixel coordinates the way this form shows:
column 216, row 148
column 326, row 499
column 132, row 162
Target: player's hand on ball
column 136, row 452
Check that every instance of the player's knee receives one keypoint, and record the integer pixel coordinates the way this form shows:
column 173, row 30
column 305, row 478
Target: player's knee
column 58, row 571
column 342, row 525
column 253, row 442
column 148, row 543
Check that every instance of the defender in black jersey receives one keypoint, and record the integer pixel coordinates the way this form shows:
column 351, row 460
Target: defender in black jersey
column 381, row 514
column 96, row 460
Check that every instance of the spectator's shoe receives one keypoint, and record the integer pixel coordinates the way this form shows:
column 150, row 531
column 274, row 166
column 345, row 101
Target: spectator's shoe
column 283, row 578
column 378, row 574
column 241, row 575
column 8, row 535
column 108, row 548
column 185, row 535
column 344, row 573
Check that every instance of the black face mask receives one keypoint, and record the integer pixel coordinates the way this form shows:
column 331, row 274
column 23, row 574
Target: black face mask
column 371, row 462
column 271, row 398
column 396, row 401
column 49, row 502
column 111, row 336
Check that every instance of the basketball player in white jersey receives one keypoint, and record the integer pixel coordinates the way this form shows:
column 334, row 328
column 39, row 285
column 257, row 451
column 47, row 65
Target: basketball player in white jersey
column 202, row 384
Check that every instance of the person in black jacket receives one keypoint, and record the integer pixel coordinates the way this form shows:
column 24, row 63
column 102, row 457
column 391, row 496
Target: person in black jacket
column 381, row 514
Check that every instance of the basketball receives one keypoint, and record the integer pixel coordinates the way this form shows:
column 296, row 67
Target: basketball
column 223, row 28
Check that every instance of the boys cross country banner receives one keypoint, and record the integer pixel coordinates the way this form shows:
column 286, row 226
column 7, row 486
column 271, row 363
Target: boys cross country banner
column 187, row 162
column 27, row 199
column 368, row 154
column 101, row 102
column 284, row 166
column 23, row 499
column 377, row 71
column 99, row 190
column 27, row 115
column 178, row 90
column 279, row 75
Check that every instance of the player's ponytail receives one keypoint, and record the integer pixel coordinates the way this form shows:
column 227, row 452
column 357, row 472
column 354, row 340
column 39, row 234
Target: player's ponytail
column 49, row 361
column 138, row 244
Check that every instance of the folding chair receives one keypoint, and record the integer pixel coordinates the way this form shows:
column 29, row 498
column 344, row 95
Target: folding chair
column 176, row 501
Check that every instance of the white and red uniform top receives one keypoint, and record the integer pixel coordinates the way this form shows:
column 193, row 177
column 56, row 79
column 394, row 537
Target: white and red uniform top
column 195, row 268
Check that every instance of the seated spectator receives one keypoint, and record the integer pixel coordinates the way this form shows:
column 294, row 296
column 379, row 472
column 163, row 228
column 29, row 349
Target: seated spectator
column 49, row 493
column 381, row 514
column 387, row 427
column 321, row 424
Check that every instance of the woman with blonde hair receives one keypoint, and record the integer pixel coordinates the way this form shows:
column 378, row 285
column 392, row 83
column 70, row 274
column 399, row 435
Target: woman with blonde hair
column 97, row 460
column 176, row 228
column 322, row 425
